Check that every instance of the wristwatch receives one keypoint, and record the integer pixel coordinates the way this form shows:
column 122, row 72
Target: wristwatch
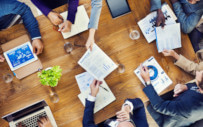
column 147, row 83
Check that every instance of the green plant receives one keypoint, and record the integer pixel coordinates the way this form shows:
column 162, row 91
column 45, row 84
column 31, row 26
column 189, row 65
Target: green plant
column 50, row 77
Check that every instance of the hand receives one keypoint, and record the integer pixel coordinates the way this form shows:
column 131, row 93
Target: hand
column 44, row 122
column 160, row 20
column 37, row 46
column 171, row 53
column 90, row 40
column 123, row 116
column 144, row 72
column 55, row 18
column 2, row 58
column 95, row 87
column 65, row 27
column 179, row 88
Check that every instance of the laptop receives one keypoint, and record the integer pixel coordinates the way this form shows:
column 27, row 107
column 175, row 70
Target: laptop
column 29, row 116
column 81, row 22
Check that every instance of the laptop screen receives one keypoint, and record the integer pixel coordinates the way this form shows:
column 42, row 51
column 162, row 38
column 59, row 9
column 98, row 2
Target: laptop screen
column 118, row 7
column 25, row 111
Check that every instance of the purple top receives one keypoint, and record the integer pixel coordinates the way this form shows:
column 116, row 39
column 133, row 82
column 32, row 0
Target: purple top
column 47, row 5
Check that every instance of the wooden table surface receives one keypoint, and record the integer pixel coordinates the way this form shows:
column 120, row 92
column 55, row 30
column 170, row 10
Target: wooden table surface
column 113, row 38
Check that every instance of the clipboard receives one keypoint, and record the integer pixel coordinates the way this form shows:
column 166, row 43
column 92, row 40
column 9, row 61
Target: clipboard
column 27, row 69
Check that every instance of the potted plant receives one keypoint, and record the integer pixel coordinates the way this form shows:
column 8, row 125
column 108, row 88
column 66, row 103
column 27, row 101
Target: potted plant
column 50, row 77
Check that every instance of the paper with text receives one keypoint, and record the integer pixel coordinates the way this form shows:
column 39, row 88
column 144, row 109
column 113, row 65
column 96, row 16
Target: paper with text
column 97, row 63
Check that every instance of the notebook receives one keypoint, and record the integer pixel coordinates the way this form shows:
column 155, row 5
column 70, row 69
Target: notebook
column 103, row 98
column 159, row 79
column 97, row 63
column 81, row 22
column 148, row 24
column 168, row 38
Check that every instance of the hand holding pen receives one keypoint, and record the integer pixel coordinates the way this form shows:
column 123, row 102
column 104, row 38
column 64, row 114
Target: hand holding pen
column 95, row 87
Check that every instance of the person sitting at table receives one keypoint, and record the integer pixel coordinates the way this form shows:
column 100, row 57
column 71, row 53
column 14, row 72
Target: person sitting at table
column 185, row 108
column 187, row 65
column 132, row 113
column 46, row 7
column 11, row 12
column 189, row 13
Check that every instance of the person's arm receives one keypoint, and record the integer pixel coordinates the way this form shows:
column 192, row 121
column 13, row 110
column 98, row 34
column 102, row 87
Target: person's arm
column 168, row 107
column 42, row 6
column 155, row 5
column 187, row 22
column 188, row 66
column 88, row 118
column 72, row 9
column 15, row 7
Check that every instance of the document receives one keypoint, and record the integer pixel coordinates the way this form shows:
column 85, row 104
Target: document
column 159, row 79
column 103, row 98
column 168, row 38
column 97, row 63
column 148, row 24
column 84, row 80
column 81, row 22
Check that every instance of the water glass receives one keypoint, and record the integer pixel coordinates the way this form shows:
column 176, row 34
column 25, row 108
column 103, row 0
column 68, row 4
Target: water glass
column 8, row 78
column 134, row 35
column 121, row 68
column 68, row 47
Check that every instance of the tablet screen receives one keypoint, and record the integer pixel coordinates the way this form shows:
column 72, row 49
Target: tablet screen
column 118, row 7
column 20, row 56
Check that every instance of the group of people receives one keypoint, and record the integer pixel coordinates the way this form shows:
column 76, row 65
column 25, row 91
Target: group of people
column 184, row 108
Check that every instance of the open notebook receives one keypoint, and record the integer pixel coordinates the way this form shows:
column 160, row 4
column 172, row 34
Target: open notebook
column 103, row 98
column 81, row 22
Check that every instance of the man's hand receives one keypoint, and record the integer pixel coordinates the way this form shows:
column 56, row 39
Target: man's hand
column 123, row 116
column 2, row 58
column 44, row 122
column 65, row 27
column 179, row 88
column 37, row 46
column 95, row 87
column 171, row 53
column 55, row 18
column 144, row 72
column 90, row 40
column 160, row 20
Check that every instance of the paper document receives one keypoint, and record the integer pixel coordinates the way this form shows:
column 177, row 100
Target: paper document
column 84, row 80
column 97, row 63
column 103, row 98
column 81, row 22
column 159, row 79
column 148, row 24
column 168, row 38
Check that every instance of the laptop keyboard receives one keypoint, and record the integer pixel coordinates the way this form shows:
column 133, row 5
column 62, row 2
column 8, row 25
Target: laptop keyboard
column 32, row 121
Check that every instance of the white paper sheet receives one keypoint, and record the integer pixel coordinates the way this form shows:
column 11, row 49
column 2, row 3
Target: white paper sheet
column 168, row 38
column 103, row 98
column 81, row 22
column 147, row 24
column 97, row 63
column 84, row 80
column 161, row 82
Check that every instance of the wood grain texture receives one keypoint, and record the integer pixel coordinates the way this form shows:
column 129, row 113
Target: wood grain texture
column 113, row 38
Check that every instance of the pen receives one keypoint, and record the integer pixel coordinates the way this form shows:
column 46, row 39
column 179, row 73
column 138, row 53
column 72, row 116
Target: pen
column 104, row 88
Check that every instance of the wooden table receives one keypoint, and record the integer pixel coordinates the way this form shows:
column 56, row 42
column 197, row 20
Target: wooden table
column 113, row 38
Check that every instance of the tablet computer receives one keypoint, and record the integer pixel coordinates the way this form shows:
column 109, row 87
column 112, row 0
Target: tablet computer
column 118, row 7
column 20, row 56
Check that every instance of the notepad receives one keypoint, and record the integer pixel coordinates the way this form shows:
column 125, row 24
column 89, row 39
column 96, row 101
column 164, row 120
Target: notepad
column 148, row 24
column 103, row 98
column 159, row 79
column 97, row 63
column 81, row 22
column 168, row 38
